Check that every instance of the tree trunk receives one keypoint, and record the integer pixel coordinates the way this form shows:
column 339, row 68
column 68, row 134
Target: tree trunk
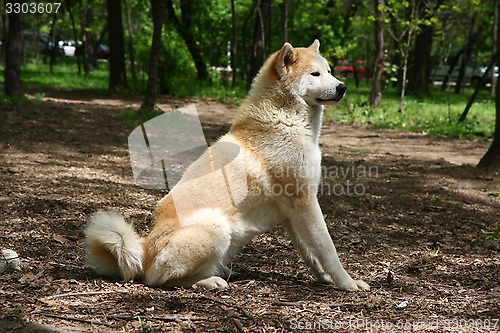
column 258, row 54
column 185, row 30
column 149, row 101
column 52, row 52
column 89, row 57
column 3, row 26
column 490, row 162
column 165, row 70
column 234, row 49
column 268, row 29
column 13, row 55
column 285, row 21
column 117, row 68
column 453, row 64
column 376, row 93
column 494, row 48
column 396, row 58
column 418, row 76
column 465, row 59
column 130, row 42
column 75, row 36
column 405, row 70
column 420, row 66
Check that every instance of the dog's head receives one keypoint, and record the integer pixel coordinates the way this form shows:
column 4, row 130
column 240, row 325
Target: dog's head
column 307, row 74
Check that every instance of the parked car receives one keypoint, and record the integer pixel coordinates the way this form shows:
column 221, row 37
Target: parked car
column 479, row 72
column 346, row 68
column 69, row 47
column 102, row 51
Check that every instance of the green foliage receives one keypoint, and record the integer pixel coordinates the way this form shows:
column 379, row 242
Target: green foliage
column 342, row 27
column 452, row 19
column 489, row 235
column 13, row 100
column 435, row 113
column 19, row 101
column 147, row 327
column 134, row 117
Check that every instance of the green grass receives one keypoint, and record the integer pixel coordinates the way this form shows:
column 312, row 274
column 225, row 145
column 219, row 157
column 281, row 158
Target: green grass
column 489, row 235
column 136, row 118
column 189, row 85
column 64, row 75
column 19, row 101
column 435, row 113
column 361, row 150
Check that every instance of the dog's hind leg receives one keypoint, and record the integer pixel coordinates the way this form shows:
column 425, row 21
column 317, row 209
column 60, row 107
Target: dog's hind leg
column 200, row 281
column 193, row 254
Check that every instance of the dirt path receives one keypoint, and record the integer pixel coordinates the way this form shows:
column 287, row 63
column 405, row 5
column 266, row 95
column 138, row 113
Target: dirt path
column 405, row 211
column 413, row 145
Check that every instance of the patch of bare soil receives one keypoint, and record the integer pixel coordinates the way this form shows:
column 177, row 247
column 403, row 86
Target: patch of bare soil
column 405, row 212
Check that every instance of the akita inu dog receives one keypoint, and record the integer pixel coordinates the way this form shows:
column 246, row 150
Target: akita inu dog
column 272, row 179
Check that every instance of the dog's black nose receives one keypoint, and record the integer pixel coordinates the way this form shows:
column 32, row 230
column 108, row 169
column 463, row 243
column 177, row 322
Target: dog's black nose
column 341, row 88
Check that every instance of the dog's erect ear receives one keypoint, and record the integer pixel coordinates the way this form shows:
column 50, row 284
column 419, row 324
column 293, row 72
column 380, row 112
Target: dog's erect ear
column 286, row 57
column 315, row 45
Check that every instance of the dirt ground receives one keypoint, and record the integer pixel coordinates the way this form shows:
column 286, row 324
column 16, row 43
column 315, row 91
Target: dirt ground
column 404, row 210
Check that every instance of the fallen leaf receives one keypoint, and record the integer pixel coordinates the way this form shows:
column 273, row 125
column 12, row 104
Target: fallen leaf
column 402, row 305
column 60, row 239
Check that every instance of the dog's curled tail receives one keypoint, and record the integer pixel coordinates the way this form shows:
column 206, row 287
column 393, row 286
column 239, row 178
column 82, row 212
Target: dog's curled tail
column 113, row 247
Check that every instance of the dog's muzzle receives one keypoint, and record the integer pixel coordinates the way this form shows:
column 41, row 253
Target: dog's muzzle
column 339, row 93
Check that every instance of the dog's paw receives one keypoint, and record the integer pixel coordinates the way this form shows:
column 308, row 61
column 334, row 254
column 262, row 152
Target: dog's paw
column 213, row 282
column 354, row 285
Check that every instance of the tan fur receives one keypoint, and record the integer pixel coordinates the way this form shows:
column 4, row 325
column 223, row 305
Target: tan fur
column 210, row 215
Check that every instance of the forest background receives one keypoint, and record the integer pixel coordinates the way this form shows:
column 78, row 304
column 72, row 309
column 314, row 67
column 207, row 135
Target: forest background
column 431, row 53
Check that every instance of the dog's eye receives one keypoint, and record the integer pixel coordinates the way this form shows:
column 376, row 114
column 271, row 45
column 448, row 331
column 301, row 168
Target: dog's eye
column 315, row 74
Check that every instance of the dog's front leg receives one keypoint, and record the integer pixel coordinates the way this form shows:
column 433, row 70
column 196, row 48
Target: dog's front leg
column 307, row 228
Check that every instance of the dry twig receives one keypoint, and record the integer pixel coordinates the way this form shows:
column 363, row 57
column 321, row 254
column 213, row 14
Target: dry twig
column 168, row 318
column 90, row 293
column 87, row 321
column 285, row 303
column 239, row 308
